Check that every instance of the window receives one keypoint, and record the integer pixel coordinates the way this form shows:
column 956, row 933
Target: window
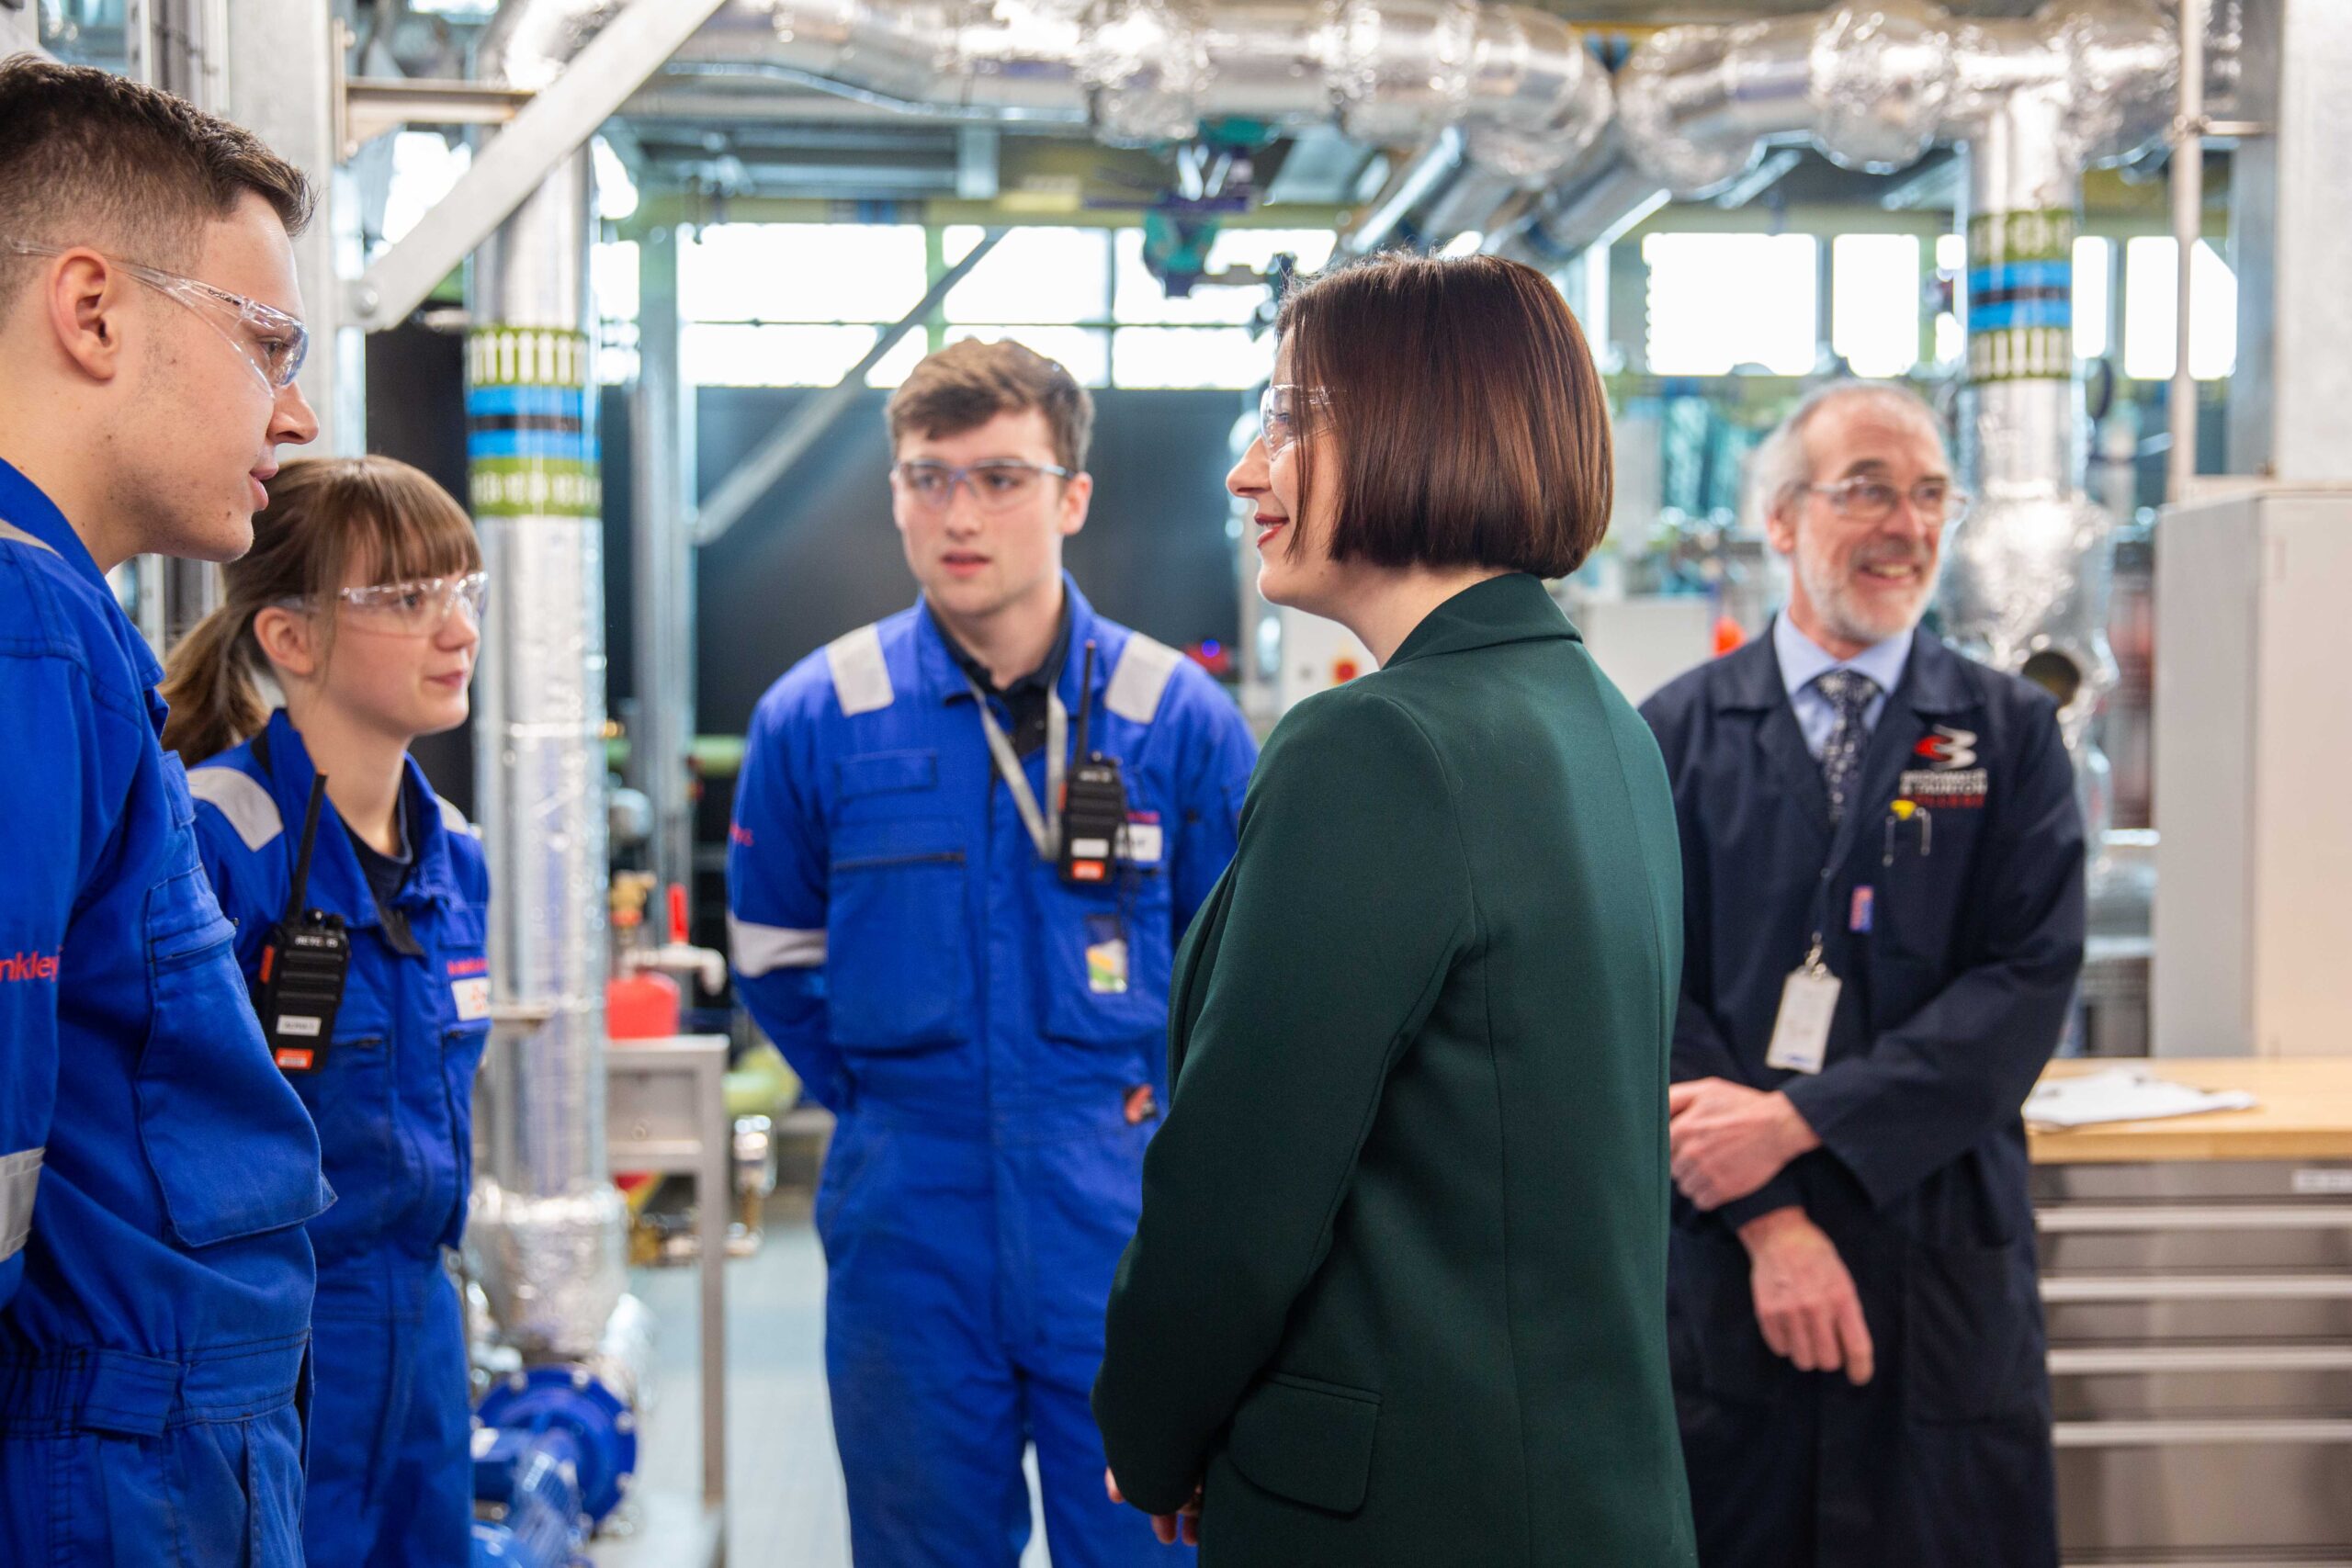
column 424, row 168
column 1083, row 352
column 1721, row 301
column 2090, row 297
column 1189, row 357
column 799, row 304
column 611, row 280
column 802, row 272
column 612, row 306
column 738, row 353
column 1874, row 302
column 616, row 189
column 1143, row 300
column 2151, row 320
column 1033, row 274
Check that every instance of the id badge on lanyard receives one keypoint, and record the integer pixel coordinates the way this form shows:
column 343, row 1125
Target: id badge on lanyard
column 1044, row 822
column 1809, row 996
column 1808, row 1008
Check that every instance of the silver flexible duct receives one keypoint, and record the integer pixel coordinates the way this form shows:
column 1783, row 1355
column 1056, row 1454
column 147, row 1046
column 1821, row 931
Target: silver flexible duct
column 1529, row 98
column 2026, row 574
column 550, row 1249
column 1874, row 86
column 2034, row 102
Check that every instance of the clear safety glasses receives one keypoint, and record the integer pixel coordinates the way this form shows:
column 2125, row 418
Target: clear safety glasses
column 1873, row 500
column 271, row 342
column 1282, row 412
column 413, row 609
column 998, row 485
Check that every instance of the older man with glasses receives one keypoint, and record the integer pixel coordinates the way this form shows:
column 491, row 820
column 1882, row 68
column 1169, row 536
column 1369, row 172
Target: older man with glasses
column 1884, row 905
column 965, row 843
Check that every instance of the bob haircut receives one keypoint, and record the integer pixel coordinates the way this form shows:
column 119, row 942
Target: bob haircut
column 1471, row 425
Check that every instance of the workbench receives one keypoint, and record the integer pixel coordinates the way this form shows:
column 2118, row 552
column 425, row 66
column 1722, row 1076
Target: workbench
column 2196, row 1278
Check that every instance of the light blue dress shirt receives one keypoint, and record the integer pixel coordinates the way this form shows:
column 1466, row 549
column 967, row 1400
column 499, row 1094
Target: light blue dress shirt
column 1803, row 662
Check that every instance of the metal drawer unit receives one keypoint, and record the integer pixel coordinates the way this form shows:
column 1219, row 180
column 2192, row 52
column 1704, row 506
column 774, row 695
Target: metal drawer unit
column 2201, row 1334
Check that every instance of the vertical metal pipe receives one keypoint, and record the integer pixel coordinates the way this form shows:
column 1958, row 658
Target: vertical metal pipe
column 2187, row 224
column 2026, row 574
column 661, row 550
column 551, row 1247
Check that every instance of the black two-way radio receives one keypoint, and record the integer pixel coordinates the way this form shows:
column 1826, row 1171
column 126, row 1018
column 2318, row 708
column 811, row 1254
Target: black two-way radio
column 1094, row 799
column 303, row 965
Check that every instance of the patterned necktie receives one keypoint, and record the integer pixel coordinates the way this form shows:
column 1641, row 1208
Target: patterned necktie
column 1850, row 693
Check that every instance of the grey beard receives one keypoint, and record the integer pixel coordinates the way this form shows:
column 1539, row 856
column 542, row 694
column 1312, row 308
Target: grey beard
column 1840, row 617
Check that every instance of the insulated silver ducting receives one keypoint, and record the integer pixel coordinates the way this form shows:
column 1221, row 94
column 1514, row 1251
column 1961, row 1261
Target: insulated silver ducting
column 2034, row 102
column 1528, row 98
column 2026, row 574
column 1874, row 86
column 1592, row 210
column 550, row 1245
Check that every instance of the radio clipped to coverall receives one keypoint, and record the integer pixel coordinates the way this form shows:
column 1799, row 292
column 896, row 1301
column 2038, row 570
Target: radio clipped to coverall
column 303, row 965
column 1095, row 800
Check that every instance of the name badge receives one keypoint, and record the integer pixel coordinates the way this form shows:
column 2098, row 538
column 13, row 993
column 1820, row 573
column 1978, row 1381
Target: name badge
column 1106, row 956
column 472, row 997
column 1145, row 842
column 1808, row 1008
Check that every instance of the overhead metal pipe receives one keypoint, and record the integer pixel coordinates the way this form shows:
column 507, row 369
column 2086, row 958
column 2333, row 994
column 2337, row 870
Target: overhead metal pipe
column 1529, row 98
column 1594, row 211
column 1874, row 86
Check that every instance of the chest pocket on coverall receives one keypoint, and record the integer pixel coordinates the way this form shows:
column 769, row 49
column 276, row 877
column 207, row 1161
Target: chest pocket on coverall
column 206, row 1086
column 1084, row 1002
column 898, row 971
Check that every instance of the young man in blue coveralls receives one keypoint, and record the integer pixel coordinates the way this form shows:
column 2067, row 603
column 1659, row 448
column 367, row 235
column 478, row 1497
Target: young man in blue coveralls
column 156, row 1169
column 990, row 1031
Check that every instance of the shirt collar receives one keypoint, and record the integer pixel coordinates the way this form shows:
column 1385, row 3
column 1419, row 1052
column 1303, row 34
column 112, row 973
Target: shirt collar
column 1044, row 675
column 26, row 506
column 941, row 675
column 432, row 876
column 1804, row 661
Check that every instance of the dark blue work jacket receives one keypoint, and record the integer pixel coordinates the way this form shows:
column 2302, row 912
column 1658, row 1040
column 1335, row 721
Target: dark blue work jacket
column 394, row 1094
column 1955, row 922
column 154, row 1168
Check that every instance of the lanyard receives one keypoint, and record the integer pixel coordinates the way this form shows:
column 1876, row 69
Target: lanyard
column 1045, row 825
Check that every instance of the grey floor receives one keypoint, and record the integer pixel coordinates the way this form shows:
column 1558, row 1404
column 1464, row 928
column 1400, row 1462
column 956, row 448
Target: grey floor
column 783, row 1483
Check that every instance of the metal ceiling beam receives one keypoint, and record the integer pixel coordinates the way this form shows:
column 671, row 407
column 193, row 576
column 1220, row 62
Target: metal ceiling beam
column 375, row 104
column 550, row 128
column 20, row 29
column 752, row 479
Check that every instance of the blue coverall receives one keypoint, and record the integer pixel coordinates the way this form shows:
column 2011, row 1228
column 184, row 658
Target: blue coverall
column 391, row 1476
column 155, row 1170
column 994, row 1056
column 1957, row 928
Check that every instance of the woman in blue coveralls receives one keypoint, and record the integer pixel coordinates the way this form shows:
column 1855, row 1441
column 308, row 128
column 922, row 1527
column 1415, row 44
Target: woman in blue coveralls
column 360, row 599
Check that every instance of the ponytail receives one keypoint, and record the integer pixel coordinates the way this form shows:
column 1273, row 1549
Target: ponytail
column 209, row 681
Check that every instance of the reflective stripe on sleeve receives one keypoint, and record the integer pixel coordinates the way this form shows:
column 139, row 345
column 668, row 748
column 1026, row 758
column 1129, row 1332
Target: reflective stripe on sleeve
column 758, row 949
column 861, row 676
column 19, row 1176
column 1145, row 669
column 240, row 797
column 13, row 535
column 452, row 819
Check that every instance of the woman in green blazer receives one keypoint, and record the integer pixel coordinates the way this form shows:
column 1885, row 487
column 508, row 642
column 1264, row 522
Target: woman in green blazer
column 1397, row 1295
